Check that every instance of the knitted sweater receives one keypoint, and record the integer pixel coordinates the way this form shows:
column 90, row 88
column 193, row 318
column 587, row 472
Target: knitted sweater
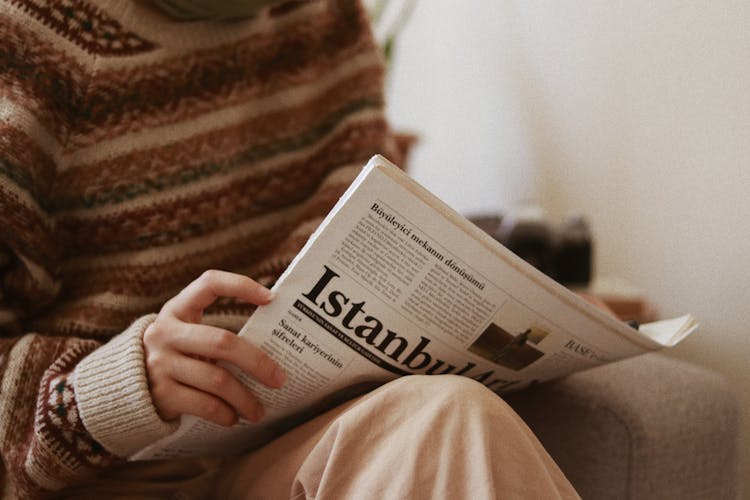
column 135, row 153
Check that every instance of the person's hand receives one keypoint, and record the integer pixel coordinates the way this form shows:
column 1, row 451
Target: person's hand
column 181, row 354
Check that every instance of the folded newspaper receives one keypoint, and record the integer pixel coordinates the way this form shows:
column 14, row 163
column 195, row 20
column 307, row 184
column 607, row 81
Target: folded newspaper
column 393, row 283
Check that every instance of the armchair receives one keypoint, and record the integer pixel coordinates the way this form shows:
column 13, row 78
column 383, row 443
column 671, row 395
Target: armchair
column 649, row 427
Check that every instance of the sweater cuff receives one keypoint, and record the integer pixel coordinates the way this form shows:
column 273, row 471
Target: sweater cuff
column 113, row 397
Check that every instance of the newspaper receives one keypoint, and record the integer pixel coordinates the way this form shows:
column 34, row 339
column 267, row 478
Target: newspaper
column 394, row 282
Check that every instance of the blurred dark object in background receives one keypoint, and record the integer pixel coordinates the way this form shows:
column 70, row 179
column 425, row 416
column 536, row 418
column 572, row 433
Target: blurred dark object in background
column 573, row 252
column 526, row 232
column 564, row 253
column 489, row 223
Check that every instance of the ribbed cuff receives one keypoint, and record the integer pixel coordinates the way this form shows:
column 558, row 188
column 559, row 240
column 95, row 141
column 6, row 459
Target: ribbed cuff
column 113, row 397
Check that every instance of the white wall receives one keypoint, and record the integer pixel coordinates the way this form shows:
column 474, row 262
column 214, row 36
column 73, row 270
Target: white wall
column 636, row 112
column 449, row 83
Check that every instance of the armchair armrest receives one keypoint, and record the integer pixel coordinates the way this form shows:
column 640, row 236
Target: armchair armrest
column 649, row 427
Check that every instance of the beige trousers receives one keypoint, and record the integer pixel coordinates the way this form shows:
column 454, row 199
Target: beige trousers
column 416, row 437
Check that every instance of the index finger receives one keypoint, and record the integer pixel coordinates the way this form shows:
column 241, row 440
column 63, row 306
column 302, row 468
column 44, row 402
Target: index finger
column 215, row 343
column 212, row 284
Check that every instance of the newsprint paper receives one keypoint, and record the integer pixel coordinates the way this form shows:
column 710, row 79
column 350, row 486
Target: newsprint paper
column 393, row 283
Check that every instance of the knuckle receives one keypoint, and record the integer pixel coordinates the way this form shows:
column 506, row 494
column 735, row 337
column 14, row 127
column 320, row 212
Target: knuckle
column 159, row 391
column 217, row 411
column 169, row 304
column 212, row 409
column 153, row 333
column 161, row 395
column 157, row 363
column 224, row 341
column 219, row 379
column 208, row 277
column 156, row 336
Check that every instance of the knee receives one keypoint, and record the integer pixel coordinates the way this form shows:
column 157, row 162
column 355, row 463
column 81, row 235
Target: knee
column 446, row 384
column 454, row 386
column 452, row 392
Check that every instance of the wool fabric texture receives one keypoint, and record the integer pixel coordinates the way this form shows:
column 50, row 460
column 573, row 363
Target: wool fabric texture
column 135, row 153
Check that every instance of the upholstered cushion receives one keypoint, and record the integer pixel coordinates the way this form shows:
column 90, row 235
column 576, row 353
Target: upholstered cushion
column 649, row 427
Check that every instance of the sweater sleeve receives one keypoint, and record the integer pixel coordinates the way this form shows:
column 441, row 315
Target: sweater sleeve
column 68, row 406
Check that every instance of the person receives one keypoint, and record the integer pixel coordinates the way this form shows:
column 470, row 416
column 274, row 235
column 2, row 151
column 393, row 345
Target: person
column 161, row 163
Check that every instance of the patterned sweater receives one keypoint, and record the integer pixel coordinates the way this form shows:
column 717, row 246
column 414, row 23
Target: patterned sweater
column 135, row 153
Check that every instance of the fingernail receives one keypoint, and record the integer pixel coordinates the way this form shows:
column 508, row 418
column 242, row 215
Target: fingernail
column 268, row 295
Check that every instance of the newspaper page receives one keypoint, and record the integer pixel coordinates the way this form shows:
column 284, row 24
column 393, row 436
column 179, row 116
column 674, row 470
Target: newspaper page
column 393, row 283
